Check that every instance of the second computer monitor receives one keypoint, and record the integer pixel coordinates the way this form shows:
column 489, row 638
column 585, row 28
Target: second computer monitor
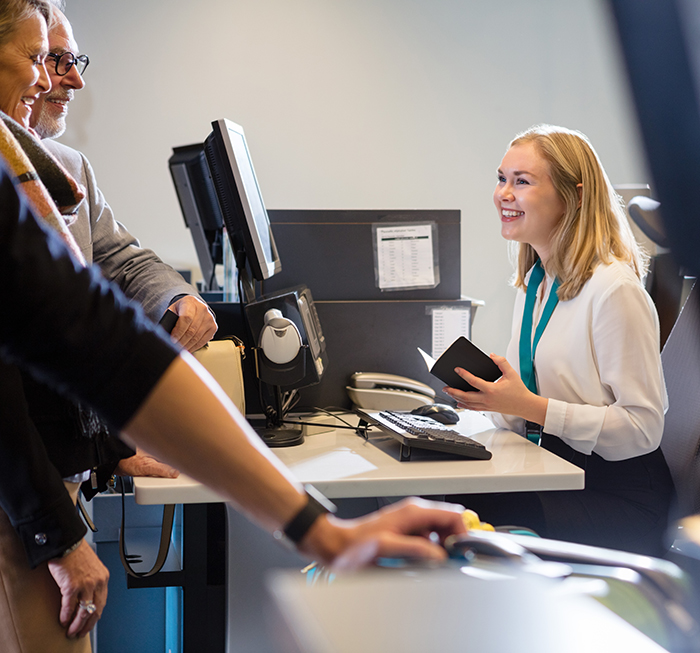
column 200, row 208
column 245, row 217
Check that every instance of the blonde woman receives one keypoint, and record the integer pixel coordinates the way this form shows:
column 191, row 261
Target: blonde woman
column 582, row 371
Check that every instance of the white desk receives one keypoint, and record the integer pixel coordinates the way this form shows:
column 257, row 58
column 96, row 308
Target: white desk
column 444, row 610
column 344, row 466
column 340, row 464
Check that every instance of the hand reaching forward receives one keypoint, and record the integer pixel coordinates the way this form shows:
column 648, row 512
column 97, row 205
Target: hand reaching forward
column 508, row 395
column 399, row 530
column 82, row 579
column 195, row 325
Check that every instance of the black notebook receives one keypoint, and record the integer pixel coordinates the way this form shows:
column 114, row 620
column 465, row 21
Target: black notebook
column 463, row 353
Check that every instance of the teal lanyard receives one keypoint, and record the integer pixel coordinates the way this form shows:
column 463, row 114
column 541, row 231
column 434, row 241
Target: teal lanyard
column 528, row 346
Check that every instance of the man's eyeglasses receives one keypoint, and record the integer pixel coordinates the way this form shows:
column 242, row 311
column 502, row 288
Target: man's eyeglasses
column 65, row 61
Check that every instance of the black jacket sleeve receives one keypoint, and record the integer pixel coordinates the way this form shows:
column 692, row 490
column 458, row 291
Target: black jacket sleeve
column 74, row 331
column 31, row 489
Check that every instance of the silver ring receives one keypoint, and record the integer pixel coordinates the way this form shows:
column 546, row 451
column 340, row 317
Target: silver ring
column 88, row 606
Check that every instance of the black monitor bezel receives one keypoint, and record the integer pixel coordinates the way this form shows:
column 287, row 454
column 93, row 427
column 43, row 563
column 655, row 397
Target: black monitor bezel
column 236, row 206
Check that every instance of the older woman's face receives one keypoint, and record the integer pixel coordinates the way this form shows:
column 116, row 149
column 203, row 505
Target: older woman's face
column 23, row 76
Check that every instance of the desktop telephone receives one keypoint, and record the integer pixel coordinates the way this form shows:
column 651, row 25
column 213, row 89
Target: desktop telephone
column 377, row 391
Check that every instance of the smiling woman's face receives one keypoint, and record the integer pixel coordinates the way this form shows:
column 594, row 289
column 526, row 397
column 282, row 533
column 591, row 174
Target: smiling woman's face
column 22, row 73
column 528, row 204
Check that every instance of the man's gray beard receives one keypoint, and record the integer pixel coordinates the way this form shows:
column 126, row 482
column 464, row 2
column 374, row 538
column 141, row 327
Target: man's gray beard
column 48, row 128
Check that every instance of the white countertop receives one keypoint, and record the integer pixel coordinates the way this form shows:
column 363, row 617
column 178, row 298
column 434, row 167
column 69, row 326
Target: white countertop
column 340, row 464
column 451, row 611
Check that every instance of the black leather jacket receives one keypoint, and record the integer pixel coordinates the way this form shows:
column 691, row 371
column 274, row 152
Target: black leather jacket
column 75, row 332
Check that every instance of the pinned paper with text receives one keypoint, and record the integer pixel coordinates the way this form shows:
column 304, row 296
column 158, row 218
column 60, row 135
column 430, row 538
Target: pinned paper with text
column 448, row 325
column 405, row 257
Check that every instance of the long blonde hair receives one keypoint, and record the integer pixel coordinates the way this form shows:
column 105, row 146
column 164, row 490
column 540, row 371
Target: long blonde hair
column 594, row 228
column 13, row 12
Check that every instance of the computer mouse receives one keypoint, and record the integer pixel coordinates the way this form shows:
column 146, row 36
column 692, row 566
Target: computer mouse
column 439, row 412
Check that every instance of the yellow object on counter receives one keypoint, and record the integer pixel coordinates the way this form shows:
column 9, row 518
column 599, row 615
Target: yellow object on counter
column 473, row 523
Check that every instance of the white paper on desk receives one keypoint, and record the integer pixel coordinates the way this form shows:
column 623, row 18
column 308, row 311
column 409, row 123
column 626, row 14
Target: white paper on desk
column 448, row 325
column 405, row 257
column 333, row 465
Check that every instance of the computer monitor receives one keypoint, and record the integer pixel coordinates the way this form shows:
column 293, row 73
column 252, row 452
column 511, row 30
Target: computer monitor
column 242, row 206
column 200, row 208
column 217, row 187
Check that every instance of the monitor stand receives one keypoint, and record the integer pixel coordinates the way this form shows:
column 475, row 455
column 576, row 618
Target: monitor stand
column 275, row 433
column 283, row 435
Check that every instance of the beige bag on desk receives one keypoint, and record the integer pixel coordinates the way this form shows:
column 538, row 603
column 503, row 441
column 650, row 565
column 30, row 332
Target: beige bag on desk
column 223, row 359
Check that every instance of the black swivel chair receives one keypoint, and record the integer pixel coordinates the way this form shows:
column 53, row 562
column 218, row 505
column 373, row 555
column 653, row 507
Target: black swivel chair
column 681, row 439
column 665, row 280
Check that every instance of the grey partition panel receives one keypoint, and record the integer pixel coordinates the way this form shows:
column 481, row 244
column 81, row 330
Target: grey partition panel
column 332, row 252
column 374, row 336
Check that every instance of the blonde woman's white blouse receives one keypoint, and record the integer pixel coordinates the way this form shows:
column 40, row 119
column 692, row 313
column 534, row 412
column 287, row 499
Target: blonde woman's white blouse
column 599, row 365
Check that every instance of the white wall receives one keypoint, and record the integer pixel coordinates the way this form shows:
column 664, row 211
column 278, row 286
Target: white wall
column 348, row 104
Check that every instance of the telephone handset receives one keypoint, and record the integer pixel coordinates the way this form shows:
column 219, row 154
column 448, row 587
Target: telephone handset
column 377, row 391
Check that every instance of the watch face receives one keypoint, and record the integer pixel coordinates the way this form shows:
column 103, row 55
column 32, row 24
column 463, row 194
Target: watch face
column 300, row 525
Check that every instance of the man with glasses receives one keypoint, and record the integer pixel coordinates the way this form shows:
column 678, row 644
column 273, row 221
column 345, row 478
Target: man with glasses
column 66, row 71
column 64, row 62
column 103, row 240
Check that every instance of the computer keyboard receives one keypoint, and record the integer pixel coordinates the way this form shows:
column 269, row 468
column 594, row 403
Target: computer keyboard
column 418, row 432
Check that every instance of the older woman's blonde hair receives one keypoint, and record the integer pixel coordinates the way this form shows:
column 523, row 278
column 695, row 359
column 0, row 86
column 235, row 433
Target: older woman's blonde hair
column 13, row 12
column 594, row 228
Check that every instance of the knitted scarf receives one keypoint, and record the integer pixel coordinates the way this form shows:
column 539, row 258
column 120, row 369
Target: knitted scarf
column 51, row 191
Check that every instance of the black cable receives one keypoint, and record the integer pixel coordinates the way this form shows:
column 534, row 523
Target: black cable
column 264, row 405
column 331, row 412
column 330, row 426
column 290, row 402
column 362, row 432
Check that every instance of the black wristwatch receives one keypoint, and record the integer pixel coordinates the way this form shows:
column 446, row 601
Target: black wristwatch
column 299, row 525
